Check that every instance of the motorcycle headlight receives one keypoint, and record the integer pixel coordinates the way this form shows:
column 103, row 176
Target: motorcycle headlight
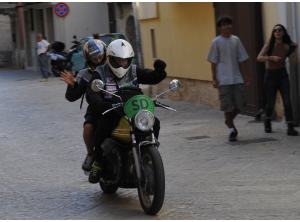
column 144, row 120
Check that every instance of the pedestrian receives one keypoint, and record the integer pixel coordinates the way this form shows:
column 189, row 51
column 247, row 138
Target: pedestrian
column 227, row 56
column 42, row 48
column 274, row 53
column 262, row 103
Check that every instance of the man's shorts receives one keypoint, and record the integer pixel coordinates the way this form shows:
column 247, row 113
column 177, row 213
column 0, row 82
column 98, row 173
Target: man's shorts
column 232, row 97
column 90, row 118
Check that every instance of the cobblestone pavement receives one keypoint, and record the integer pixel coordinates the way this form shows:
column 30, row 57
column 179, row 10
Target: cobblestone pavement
column 206, row 176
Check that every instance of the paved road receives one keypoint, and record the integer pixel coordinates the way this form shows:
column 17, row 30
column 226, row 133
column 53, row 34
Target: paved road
column 206, row 176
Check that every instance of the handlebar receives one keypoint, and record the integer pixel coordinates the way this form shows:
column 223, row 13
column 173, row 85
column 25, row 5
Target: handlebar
column 156, row 103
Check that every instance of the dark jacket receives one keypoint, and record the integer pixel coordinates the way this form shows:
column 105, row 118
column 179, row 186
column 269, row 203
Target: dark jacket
column 75, row 92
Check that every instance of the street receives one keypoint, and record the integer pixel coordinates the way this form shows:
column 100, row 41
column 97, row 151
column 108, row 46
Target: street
column 207, row 177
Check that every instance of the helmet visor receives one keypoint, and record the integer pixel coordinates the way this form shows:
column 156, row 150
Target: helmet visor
column 117, row 62
column 97, row 59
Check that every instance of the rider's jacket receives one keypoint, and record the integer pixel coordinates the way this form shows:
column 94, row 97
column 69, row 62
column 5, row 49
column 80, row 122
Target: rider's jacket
column 83, row 78
column 100, row 101
column 77, row 91
column 112, row 84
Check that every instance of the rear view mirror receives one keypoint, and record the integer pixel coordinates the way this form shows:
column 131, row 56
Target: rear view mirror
column 97, row 85
column 174, row 84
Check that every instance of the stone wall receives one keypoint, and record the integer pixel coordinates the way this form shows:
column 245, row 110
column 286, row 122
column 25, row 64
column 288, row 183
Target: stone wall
column 5, row 41
column 201, row 92
column 195, row 91
column 5, row 58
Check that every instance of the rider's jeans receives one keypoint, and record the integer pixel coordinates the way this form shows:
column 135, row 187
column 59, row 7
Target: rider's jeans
column 278, row 80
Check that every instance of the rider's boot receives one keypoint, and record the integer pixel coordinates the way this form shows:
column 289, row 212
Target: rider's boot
column 291, row 130
column 268, row 125
column 88, row 162
column 95, row 173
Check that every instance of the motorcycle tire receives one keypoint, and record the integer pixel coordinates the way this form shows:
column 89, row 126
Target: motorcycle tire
column 152, row 191
column 113, row 163
column 55, row 72
column 108, row 188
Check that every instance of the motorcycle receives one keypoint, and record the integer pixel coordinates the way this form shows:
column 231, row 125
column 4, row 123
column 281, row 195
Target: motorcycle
column 60, row 59
column 131, row 156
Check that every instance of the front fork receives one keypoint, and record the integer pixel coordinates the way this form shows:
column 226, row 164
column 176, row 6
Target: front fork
column 136, row 157
column 136, row 150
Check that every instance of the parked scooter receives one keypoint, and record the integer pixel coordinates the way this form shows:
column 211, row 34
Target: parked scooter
column 131, row 157
column 60, row 59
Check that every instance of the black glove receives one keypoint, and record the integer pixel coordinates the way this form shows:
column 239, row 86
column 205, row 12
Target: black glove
column 159, row 65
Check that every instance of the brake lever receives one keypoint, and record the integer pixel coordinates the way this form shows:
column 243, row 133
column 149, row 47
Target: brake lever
column 114, row 106
column 159, row 104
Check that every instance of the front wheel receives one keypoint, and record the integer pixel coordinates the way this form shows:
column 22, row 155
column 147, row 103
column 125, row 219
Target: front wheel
column 152, row 187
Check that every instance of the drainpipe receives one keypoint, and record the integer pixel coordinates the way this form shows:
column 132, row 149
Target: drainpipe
column 138, row 36
column 295, row 96
column 20, row 52
column 20, row 22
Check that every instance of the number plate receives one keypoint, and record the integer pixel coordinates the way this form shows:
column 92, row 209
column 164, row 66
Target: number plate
column 138, row 103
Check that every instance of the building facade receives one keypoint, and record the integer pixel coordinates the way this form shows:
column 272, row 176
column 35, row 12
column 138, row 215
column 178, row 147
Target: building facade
column 287, row 14
column 28, row 19
column 8, row 38
column 181, row 34
column 83, row 20
column 6, row 43
column 122, row 18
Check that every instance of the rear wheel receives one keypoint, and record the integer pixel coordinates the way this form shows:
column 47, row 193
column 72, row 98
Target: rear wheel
column 152, row 188
column 108, row 188
column 111, row 173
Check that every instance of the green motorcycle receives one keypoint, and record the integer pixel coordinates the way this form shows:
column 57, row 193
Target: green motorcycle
column 131, row 156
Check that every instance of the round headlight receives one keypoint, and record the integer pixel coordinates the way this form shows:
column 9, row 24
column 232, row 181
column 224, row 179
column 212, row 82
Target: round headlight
column 144, row 120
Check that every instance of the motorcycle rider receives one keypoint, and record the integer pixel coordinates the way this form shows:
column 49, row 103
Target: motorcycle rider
column 94, row 52
column 117, row 73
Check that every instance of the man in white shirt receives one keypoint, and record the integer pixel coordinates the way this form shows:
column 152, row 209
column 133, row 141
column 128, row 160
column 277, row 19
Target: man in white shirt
column 42, row 48
column 227, row 56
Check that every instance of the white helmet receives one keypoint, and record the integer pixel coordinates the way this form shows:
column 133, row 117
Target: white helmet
column 120, row 54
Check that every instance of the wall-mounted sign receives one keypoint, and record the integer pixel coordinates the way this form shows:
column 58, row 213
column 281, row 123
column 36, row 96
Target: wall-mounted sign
column 147, row 10
column 61, row 9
